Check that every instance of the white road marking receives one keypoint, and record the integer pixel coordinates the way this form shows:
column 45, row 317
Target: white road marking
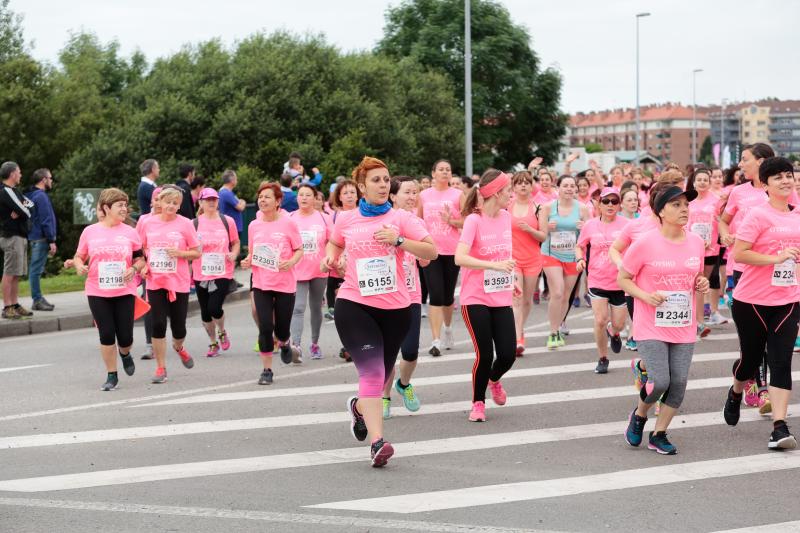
column 15, row 368
column 571, row 486
column 143, row 474
column 786, row 527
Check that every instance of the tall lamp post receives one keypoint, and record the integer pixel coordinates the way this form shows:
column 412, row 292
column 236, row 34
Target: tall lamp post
column 638, row 125
column 694, row 114
column 722, row 135
column 468, row 86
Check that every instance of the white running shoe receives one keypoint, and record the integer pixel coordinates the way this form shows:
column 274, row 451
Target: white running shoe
column 447, row 338
column 716, row 319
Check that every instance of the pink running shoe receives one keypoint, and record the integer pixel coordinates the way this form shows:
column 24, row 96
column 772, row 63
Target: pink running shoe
column 160, row 376
column 186, row 359
column 498, row 393
column 213, row 350
column 478, row 413
column 765, row 406
column 224, row 341
column 751, row 398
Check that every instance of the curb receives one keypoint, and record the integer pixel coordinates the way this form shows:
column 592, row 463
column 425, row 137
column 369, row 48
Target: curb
column 16, row 328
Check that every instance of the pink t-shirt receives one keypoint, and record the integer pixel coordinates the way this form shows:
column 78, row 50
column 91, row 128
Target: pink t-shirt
column 703, row 221
column 270, row 243
column 741, row 200
column 411, row 273
column 658, row 264
column 600, row 236
column 638, row 226
column 110, row 253
column 489, row 239
column 587, row 202
column 542, row 197
column 374, row 273
column 314, row 231
column 214, row 263
column 770, row 231
column 433, row 202
column 170, row 273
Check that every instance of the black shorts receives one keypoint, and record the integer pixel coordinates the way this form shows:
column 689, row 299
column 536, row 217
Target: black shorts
column 615, row 298
column 711, row 260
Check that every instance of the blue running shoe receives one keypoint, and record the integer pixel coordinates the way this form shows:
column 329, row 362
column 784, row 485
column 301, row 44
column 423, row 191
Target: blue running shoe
column 633, row 435
column 410, row 399
column 639, row 376
column 659, row 443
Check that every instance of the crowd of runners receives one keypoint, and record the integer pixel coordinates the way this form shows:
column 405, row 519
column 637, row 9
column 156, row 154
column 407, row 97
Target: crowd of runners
column 655, row 254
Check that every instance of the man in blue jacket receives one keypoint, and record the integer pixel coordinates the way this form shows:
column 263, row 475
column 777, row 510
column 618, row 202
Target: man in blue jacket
column 147, row 184
column 42, row 235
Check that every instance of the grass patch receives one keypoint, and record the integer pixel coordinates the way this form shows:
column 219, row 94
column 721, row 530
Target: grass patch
column 64, row 282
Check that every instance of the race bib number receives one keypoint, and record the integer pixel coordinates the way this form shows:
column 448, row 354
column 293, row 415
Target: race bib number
column 497, row 281
column 409, row 267
column 212, row 264
column 702, row 230
column 110, row 275
column 266, row 257
column 785, row 274
column 161, row 263
column 676, row 311
column 563, row 242
column 376, row 275
column 309, row 242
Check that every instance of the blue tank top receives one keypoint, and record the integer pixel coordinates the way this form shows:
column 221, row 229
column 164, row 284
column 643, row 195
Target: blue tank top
column 560, row 242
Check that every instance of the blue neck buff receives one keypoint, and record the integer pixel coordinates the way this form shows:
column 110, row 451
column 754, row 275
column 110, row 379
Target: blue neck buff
column 368, row 210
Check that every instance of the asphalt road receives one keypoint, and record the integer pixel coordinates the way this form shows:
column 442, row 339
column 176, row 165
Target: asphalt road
column 211, row 450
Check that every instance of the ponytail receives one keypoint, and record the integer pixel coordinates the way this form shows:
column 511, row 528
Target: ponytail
column 474, row 200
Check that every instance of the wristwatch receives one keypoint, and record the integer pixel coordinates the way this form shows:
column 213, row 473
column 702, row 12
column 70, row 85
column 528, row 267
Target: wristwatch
column 400, row 240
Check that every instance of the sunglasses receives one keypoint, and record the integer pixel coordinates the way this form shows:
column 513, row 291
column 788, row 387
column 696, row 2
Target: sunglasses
column 609, row 201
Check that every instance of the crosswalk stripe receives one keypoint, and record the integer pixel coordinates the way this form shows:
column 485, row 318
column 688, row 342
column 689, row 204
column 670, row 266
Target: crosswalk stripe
column 124, row 476
column 217, row 426
column 786, row 527
column 418, row 382
column 27, row 367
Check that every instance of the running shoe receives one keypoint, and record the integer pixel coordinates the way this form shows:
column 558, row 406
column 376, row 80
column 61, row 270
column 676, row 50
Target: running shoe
column 797, row 345
column 10, row 313
column 424, row 311
column 639, row 375
column 588, row 300
column 160, row 375
column 561, row 341
column 297, row 354
column 781, row 439
column 387, row 406
column 706, row 311
column 631, row 345
column 127, row 364
column 658, row 442
column 434, row 351
column 536, row 298
column 552, row 341
column 186, row 359
column 602, row 366
column 409, row 396
column 257, row 347
column 111, row 382
column 478, row 412
column 520, row 347
column 633, row 435
column 213, row 350
column 721, row 301
column 657, row 410
column 358, row 427
column 576, row 302
column 716, row 319
column 702, row 330
column 765, row 407
column 381, row 451
column 615, row 341
column 148, row 352
column 224, row 341
column 22, row 312
column 329, row 314
column 499, row 395
column 314, row 350
column 751, row 398
column 563, row 329
column 286, row 353
column 447, row 338
column 732, row 408
column 266, row 377
column 344, row 355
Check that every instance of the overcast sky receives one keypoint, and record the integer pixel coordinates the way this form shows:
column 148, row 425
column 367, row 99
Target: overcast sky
column 748, row 50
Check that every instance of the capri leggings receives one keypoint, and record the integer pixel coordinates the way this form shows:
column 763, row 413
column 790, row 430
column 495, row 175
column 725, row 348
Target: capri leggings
column 490, row 327
column 770, row 326
column 211, row 302
column 667, row 371
column 441, row 277
column 372, row 337
column 114, row 319
column 410, row 347
column 308, row 292
column 161, row 308
column 423, row 287
column 274, row 312
column 333, row 286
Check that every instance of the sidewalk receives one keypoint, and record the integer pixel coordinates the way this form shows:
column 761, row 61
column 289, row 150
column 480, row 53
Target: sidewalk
column 72, row 311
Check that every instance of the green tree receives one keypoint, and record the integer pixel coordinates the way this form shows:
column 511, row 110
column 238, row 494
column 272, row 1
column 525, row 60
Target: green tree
column 515, row 103
column 706, row 155
column 593, row 148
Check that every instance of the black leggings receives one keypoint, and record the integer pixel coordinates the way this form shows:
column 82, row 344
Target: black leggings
column 330, row 291
column 487, row 326
column 211, row 302
column 410, row 347
column 114, row 319
column 372, row 337
column 161, row 308
column 773, row 326
column 441, row 277
column 423, row 286
column 269, row 304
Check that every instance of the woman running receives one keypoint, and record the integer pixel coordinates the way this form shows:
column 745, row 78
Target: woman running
column 213, row 273
column 274, row 248
column 765, row 300
column 488, row 286
column 344, row 198
column 372, row 308
column 315, row 228
column 526, row 241
column 403, row 193
column 630, row 204
column 440, row 207
column 169, row 242
column 704, row 223
column 110, row 255
column 599, row 234
column 584, row 196
column 662, row 270
column 155, row 209
column 561, row 221
column 546, row 193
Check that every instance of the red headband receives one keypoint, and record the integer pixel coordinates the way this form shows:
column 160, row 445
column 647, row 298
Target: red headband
column 494, row 186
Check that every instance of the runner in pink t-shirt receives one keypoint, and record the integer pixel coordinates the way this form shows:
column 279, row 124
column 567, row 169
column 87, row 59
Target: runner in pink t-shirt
column 704, row 222
column 488, row 287
column 213, row 272
column 372, row 309
column 155, row 209
column 274, row 248
column 114, row 255
column 662, row 270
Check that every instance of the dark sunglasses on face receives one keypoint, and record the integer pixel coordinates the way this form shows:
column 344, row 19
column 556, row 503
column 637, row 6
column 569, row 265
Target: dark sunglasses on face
column 609, row 201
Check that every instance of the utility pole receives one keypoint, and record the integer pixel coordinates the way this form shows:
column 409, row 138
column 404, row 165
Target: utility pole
column 638, row 124
column 694, row 114
column 468, row 87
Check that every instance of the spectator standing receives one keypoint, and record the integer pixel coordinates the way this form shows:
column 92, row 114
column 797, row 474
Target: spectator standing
column 229, row 204
column 186, row 173
column 150, row 172
column 42, row 235
column 289, row 202
column 15, row 215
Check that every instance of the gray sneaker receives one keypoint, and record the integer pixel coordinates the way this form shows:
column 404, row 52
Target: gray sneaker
column 42, row 305
column 266, row 377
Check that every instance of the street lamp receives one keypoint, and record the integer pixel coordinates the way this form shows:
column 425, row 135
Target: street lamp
column 638, row 16
column 694, row 114
column 468, row 87
column 722, row 134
